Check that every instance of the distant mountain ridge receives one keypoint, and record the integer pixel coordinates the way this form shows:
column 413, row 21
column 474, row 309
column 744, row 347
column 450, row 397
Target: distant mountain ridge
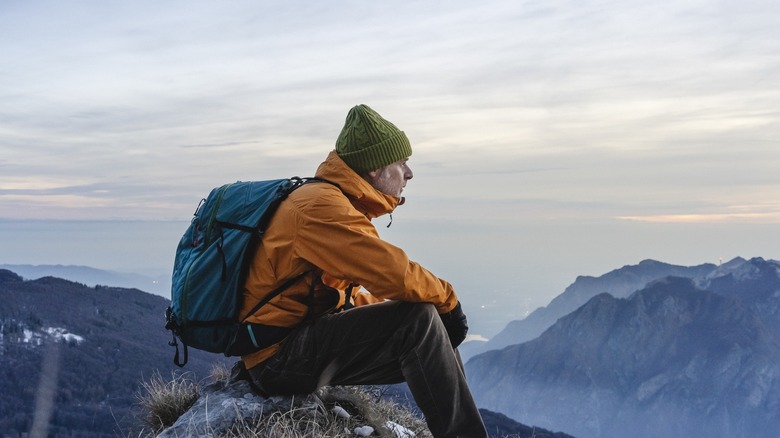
column 619, row 283
column 679, row 357
column 156, row 284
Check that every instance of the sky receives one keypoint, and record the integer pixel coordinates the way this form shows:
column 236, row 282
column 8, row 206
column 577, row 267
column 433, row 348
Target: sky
column 551, row 139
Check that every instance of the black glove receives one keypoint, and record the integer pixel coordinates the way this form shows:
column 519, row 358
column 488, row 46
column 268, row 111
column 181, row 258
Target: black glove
column 456, row 325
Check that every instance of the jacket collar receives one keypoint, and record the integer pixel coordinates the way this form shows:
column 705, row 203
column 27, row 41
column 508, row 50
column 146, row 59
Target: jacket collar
column 361, row 194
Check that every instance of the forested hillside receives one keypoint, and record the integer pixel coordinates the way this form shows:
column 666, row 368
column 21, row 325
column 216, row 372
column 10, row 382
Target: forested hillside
column 93, row 345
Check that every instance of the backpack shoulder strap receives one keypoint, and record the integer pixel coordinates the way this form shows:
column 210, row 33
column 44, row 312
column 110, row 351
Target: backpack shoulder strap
column 274, row 293
column 315, row 179
column 297, row 183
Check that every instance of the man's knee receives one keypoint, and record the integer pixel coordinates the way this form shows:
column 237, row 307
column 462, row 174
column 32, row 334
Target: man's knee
column 427, row 311
column 424, row 317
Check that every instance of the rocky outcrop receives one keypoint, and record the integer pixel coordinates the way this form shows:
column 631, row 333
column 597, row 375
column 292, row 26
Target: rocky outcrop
column 221, row 405
column 224, row 407
column 232, row 405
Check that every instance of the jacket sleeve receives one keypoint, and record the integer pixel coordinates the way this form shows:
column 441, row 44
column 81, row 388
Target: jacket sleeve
column 361, row 298
column 341, row 241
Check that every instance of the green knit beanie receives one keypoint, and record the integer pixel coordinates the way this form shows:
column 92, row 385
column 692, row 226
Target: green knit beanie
column 368, row 142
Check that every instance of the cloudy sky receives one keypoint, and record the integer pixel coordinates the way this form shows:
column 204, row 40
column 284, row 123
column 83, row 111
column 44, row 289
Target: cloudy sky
column 551, row 138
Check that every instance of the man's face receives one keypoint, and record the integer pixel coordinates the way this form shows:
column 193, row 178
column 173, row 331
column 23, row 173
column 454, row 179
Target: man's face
column 391, row 179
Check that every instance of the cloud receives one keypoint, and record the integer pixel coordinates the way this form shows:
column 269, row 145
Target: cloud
column 759, row 218
column 745, row 214
column 635, row 108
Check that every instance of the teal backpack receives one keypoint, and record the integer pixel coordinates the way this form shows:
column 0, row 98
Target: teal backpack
column 210, row 268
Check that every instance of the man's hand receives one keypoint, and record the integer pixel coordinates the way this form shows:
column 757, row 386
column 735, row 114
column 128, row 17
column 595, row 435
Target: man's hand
column 456, row 325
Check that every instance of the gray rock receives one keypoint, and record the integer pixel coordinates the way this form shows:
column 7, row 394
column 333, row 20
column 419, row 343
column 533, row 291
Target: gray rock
column 222, row 405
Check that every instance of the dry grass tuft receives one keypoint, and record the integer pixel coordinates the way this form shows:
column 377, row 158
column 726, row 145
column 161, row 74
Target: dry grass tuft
column 219, row 373
column 295, row 423
column 366, row 404
column 163, row 402
column 364, row 407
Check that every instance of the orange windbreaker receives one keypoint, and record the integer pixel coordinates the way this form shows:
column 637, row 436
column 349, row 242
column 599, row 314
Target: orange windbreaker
column 318, row 229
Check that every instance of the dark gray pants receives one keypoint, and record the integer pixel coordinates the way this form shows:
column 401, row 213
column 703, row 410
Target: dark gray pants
column 379, row 344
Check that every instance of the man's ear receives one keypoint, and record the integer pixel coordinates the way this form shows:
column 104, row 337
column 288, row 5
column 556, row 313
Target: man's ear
column 371, row 175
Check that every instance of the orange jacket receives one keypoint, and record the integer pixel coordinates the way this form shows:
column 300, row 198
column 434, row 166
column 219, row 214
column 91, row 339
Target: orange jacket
column 320, row 230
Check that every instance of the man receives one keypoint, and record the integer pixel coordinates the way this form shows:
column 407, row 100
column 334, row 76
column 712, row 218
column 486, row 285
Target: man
column 321, row 248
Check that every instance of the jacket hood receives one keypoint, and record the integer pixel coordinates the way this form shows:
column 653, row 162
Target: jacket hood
column 361, row 194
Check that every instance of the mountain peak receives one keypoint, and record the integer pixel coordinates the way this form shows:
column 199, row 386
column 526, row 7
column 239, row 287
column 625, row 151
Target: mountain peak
column 647, row 262
column 619, row 283
column 7, row 276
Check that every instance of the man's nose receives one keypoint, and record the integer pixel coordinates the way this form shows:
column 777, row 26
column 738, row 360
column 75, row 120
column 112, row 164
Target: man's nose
column 408, row 174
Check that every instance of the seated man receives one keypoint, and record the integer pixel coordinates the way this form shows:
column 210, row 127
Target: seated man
column 324, row 329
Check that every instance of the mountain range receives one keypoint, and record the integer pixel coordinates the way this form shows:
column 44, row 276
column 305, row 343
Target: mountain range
column 158, row 284
column 83, row 352
column 692, row 352
column 619, row 283
column 646, row 350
